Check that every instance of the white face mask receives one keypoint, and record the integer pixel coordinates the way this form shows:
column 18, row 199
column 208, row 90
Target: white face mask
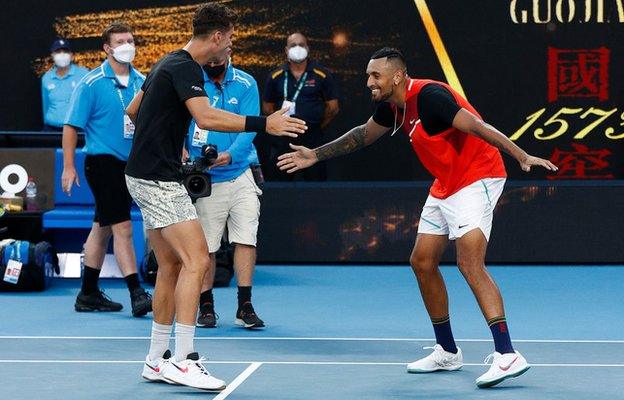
column 61, row 60
column 124, row 53
column 297, row 54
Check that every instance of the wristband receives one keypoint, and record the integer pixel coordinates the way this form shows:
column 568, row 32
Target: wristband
column 255, row 124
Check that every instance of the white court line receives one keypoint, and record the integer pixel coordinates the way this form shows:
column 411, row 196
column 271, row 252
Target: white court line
column 238, row 380
column 572, row 365
column 337, row 339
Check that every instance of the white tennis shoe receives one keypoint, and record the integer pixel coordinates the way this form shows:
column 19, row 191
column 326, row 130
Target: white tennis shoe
column 504, row 366
column 191, row 372
column 439, row 360
column 153, row 369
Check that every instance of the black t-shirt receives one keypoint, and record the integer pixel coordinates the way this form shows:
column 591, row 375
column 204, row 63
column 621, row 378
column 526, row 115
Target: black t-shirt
column 163, row 119
column 436, row 108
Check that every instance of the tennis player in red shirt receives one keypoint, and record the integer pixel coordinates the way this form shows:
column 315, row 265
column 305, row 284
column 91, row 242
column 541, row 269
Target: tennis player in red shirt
column 462, row 152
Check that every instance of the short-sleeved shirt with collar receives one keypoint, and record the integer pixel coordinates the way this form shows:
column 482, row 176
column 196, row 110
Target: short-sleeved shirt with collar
column 319, row 87
column 238, row 94
column 56, row 92
column 98, row 105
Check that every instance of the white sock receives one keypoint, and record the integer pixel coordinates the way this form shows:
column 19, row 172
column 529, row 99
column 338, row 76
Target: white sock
column 160, row 340
column 184, row 335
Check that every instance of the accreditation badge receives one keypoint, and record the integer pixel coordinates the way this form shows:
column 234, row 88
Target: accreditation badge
column 200, row 136
column 128, row 128
column 12, row 272
column 291, row 107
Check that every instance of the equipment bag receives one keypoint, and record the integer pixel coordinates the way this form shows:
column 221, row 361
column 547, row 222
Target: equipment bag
column 26, row 266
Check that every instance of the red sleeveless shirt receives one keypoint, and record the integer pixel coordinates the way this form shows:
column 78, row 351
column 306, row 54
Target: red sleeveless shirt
column 455, row 158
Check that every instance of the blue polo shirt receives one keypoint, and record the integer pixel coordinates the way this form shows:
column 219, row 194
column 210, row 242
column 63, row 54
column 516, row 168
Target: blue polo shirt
column 56, row 92
column 238, row 94
column 98, row 106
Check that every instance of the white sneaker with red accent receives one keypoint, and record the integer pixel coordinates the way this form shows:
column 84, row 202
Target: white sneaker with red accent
column 191, row 372
column 439, row 360
column 153, row 369
column 504, row 366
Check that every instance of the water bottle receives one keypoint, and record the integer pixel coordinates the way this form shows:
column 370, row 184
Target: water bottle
column 31, row 194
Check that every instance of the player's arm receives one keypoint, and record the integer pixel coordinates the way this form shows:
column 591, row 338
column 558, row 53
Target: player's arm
column 214, row 119
column 133, row 108
column 355, row 139
column 468, row 122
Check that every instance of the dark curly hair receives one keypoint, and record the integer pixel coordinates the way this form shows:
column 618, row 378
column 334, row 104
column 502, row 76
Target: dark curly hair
column 212, row 17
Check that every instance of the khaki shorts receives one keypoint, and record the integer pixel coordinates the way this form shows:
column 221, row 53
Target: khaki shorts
column 233, row 203
column 161, row 203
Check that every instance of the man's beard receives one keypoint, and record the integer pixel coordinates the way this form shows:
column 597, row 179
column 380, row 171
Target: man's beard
column 384, row 98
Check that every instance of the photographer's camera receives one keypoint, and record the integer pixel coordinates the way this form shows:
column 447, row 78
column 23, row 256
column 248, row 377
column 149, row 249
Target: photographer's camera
column 196, row 181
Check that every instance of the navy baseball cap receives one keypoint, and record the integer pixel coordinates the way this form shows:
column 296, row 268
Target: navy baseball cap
column 60, row 44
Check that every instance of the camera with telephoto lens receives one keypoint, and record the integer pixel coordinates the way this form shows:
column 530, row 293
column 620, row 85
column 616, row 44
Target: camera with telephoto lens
column 196, row 181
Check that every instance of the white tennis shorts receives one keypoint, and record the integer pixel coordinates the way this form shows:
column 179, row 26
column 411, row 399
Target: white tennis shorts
column 233, row 203
column 471, row 207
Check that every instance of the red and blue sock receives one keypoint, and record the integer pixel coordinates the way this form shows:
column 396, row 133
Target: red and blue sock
column 500, row 333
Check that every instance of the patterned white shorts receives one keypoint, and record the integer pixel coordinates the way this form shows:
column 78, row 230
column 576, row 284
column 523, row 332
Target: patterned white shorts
column 161, row 203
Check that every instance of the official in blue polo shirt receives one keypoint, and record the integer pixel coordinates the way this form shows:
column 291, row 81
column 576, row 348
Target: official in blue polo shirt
column 98, row 108
column 309, row 92
column 234, row 199
column 57, row 85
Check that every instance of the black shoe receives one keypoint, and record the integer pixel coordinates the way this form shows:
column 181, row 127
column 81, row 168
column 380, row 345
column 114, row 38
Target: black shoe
column 141, row 302
column 246, row 317
column 96, row 301
column 207, row 316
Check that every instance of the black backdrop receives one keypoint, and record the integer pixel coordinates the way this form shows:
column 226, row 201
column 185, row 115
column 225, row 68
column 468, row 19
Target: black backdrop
column 503, row 64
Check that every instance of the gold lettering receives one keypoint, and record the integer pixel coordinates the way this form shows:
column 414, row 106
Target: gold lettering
column 536, row 12
column 599, row 11
column 540, row 11
column 620, row 8
column 513, row 12
column 571, row 10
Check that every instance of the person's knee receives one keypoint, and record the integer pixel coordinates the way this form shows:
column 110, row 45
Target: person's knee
column 197, row 264
column 98, row 237
column 122, row 230
column 169, row 272
column 470, row 267
column 423, row 264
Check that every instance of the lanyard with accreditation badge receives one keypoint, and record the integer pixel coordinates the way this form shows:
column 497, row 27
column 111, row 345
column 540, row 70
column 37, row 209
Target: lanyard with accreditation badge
column 290, row 104
column 200, row 136
column 128, row 126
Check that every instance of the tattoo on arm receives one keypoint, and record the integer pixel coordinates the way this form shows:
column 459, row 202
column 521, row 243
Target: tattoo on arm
column 349, row 142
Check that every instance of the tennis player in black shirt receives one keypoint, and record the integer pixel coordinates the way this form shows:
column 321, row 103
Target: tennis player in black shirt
column 172, row 94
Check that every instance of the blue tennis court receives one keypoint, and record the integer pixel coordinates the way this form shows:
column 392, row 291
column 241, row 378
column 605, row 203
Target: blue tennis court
column 333, row 332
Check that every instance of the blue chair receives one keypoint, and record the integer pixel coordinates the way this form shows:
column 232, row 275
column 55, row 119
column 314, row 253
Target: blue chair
column 77, row 211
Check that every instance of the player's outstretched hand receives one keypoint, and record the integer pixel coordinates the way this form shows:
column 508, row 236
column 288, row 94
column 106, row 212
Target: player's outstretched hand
column 301, row 158
column 280, row 124
column 530, row 161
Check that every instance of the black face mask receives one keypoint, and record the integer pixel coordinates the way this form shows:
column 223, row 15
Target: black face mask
column 214, row 72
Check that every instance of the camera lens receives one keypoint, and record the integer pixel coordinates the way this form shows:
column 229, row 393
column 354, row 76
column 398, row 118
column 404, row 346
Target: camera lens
column 196, row 184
